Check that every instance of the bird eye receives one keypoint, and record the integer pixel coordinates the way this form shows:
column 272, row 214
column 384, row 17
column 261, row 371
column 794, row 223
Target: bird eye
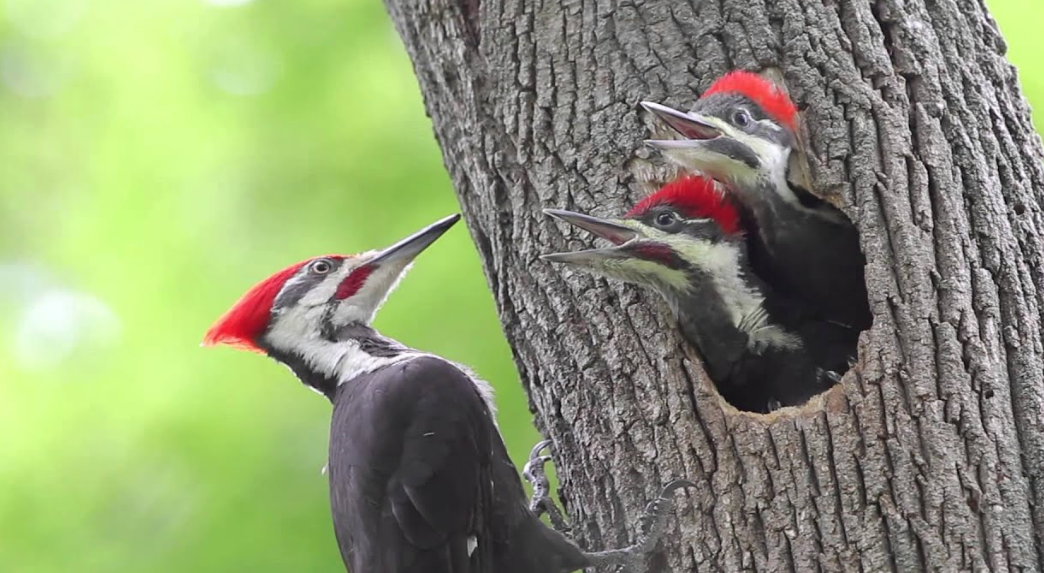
column 321, row 267
column 665, row 219
column 741, row 118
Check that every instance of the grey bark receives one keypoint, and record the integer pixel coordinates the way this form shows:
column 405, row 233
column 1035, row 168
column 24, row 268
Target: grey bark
column 929, row 456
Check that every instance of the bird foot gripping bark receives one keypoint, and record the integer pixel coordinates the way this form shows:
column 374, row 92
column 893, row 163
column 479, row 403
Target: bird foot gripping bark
column 541, row 503
column 652, row 524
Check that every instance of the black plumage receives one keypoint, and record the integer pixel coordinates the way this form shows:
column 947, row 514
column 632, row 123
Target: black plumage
column 420, row 480
column 762, row 348
column 760, row 377
column 811, row 254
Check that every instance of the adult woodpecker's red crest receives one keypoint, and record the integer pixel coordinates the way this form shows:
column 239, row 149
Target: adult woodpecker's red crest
column 761, row 91
column 247, row 319
column 696, row 197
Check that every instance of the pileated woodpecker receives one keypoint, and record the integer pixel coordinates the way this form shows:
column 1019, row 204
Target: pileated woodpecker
column 686, row 242
column 743, row 132
column 420, row 480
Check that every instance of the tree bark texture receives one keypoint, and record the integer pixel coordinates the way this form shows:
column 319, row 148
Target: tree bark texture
column 930, row 455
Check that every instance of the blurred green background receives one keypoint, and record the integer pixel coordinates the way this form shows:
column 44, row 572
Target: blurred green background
column 158, row 157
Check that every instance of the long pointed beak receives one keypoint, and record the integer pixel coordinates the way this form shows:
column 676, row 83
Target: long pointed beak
column 407, row 249
column 709, row 145
column 587, row 258
column 688, row 125
column 611, row 231
column 634, row 256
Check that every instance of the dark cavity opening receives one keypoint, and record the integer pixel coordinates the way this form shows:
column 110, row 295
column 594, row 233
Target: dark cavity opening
column 811, row 273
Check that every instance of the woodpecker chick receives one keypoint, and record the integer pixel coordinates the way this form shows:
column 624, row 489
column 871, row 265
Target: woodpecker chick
column 743, row 132
column 686, row 242
column 420, row 480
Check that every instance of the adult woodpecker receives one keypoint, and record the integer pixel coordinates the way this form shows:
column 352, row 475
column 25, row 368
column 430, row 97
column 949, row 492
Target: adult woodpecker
column 743, row 132
column 686, row 242
column 420, row 480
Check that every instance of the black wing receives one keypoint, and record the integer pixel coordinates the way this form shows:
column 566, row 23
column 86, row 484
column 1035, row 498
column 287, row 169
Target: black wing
column 410, row 470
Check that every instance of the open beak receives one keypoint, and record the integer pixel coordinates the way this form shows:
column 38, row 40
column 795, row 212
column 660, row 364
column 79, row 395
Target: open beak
column 634, row 257
column 407, row 249
column 709, row 144
column 612, row 231
column 691, row 126
column 620, row 235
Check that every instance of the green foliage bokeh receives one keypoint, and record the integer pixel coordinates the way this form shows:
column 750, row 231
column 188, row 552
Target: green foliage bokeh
column 158, row 157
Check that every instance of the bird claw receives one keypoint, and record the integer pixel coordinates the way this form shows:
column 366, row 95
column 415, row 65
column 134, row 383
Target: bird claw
column 654, row 518
column 652, row 523
column 534, row 468
column 536, row 475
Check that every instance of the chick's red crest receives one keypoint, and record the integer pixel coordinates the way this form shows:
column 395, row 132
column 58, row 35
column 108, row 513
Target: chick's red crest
column 696, row 198
column 247, row 319
column 761, row 91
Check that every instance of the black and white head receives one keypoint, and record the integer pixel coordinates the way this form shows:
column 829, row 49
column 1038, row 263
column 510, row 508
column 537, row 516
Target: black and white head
column 299, row 310
column 742, row 132
column 686, row 232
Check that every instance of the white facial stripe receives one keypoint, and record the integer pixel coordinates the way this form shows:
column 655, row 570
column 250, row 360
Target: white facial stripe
column 640, row 271
column 325, row 291
column 721, row 263
column 715, row 257
column 364, row 304
column 770, row 124
column 774, row 162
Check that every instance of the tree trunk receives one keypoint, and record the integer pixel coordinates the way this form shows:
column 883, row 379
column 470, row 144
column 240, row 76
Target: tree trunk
column 929, row 455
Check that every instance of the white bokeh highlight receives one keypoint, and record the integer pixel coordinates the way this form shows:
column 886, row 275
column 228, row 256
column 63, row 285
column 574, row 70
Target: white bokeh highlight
column 57, row 325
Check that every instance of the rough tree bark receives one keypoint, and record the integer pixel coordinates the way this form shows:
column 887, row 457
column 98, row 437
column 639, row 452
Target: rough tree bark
column 929, row 456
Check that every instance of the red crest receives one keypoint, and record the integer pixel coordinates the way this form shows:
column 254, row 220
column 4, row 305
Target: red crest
column 697, row 198
column 248, row 318
column 761, row 91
